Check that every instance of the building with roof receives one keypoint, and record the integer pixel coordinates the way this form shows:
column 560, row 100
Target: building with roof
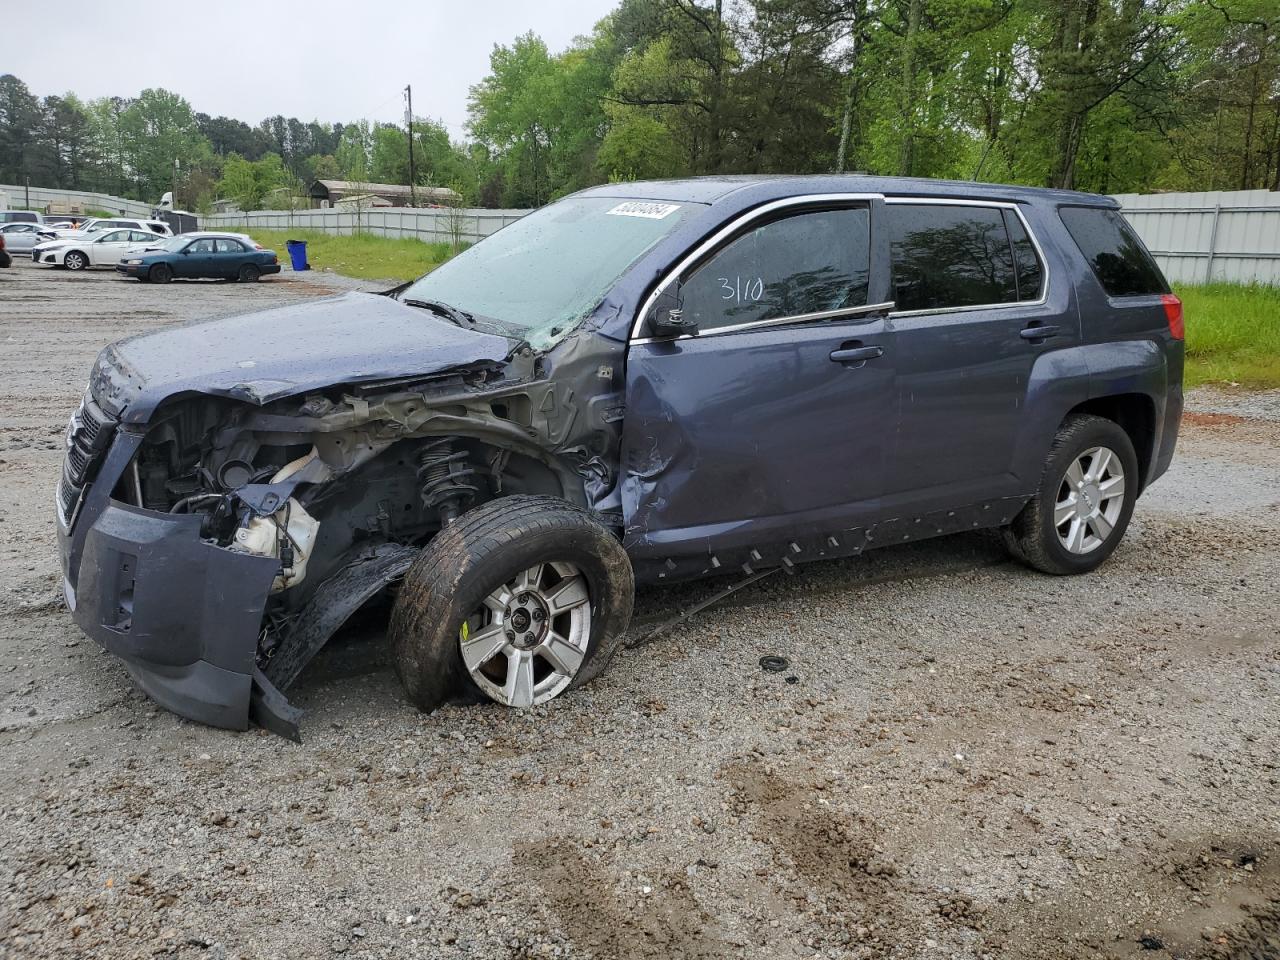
column 329, row 193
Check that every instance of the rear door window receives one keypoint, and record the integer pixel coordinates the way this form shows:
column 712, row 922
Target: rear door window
column 946, row 256
column 1118, row 258
column 229, row 246
column 806, row 263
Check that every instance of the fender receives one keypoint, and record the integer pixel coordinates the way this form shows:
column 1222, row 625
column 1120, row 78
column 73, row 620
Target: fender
column 1065, row 379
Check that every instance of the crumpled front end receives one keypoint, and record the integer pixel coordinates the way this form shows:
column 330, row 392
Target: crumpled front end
column 183, row 614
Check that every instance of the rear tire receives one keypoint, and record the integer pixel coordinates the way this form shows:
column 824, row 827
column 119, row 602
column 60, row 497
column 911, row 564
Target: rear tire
column 249, row 273
column 447, row 601
column 75, row 260
column 160, row 273
column 1082, row 507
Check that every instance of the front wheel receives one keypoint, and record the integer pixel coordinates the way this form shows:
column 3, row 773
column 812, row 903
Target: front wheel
column 75, row 260
column 519, row 600
column 1086, row 497
column 249, row 273
column 160, row 273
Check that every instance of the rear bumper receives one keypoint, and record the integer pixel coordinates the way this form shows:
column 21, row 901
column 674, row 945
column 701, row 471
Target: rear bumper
column 270, row 268
column 182, row 614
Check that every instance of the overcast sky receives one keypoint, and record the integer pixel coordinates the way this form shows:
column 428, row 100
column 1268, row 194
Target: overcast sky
column 312, row 59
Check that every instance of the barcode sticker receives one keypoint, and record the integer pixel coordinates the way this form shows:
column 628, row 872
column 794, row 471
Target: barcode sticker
column 646, row 209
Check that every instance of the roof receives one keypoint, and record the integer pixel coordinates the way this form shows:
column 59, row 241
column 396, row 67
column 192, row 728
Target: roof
column 769, row 187
column 382, row 189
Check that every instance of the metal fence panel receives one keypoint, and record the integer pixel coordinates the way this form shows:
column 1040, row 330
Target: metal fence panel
column 1228, row 236
column 41, row 197
column 450, row 225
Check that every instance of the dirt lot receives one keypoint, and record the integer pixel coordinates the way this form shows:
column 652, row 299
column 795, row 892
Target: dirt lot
column 965, row 759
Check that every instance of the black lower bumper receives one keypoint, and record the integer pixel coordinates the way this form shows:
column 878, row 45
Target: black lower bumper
column 183, row 614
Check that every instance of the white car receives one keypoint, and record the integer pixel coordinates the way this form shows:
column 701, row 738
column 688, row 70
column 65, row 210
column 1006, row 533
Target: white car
column 20, row 237
column 94, row 224
column 99, row 248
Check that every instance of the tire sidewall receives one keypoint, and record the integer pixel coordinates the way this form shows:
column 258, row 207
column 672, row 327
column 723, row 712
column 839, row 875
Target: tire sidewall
column 160, row 273
column 77, row 258
column 1095, row 432
column 249, row 274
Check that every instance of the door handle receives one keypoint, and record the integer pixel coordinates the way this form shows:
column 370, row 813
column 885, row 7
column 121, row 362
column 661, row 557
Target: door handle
column 1038, row 331
column 854, row 354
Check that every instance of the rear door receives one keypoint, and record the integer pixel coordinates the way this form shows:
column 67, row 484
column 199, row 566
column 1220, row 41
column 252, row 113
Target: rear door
column 229, row 256
column 971, row 319
column 769, row 426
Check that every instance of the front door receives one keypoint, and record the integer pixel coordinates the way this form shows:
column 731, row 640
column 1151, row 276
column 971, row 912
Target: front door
column 109, row 248
column 765, row 432
column 970, row 320
column 197, row 260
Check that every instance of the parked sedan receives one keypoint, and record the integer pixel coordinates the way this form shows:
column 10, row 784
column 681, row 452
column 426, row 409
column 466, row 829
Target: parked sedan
column 101, row 249
column 213, row 256
column 20, row 237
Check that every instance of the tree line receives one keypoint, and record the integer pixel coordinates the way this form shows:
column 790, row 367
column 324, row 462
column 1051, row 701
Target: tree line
column 1102, row 95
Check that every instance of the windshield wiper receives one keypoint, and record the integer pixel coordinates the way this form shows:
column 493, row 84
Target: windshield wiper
column 459, row 317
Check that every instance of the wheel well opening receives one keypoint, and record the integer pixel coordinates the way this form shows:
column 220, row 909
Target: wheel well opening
column 1135, row 414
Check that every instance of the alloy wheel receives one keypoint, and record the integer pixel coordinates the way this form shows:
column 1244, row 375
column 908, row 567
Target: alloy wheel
column 529, row 638
column 1090, row 500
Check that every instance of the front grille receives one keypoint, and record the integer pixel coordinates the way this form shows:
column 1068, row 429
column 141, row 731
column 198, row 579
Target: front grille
column 88, row 436
column 68, row 497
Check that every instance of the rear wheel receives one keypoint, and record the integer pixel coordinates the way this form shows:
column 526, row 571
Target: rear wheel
column 160, row 273
column 249, row 273
column 1086, row 497
column 518, row 600
column 75, row 260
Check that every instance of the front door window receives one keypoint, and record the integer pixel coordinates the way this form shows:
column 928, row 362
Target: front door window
column 803, row 264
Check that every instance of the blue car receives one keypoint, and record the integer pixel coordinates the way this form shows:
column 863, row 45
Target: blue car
column 209, row 256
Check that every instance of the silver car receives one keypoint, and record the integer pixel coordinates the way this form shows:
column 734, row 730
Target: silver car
column 20, row 237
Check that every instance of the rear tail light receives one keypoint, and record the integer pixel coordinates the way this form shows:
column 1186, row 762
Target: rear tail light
column 274, row 260
column 1173, row 313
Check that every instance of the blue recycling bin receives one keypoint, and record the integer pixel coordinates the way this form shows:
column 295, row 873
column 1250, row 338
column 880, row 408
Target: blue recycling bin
column 297, row 254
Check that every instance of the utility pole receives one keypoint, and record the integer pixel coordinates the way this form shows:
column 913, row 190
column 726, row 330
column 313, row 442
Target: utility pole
column 408, row 122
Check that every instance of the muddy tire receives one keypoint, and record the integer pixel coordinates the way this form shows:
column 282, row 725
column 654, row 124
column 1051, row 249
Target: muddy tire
column 474, row 585
column 1082, row 507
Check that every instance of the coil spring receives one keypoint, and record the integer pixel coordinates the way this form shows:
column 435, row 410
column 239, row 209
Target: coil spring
column 446, row 479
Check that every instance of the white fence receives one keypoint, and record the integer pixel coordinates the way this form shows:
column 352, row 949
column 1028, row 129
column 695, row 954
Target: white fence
column 1229, row 236
column 452, row 225
column 1224, row 236
column 41, row 197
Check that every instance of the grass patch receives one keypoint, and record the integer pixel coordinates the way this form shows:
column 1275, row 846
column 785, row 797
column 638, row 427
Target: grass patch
column 1233, row 334
column 363, row 255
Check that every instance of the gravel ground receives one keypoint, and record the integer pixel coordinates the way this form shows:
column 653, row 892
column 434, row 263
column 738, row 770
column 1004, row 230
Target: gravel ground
column 965, row 759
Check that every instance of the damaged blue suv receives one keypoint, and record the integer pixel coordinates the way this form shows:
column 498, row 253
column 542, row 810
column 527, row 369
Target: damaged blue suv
column 641, row 382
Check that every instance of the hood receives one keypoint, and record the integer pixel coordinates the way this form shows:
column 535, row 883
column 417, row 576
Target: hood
column 263, row 356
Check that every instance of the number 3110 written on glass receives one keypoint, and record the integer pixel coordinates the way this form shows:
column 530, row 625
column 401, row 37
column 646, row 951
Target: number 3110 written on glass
column 739, row 289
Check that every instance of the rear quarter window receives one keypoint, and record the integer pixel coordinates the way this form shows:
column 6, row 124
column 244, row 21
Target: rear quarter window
column 1116, row 255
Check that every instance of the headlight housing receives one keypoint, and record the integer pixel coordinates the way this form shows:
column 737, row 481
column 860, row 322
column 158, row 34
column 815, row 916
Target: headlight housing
column 133, row 263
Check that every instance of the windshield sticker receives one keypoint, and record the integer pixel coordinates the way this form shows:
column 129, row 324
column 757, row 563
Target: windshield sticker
column 641, row 208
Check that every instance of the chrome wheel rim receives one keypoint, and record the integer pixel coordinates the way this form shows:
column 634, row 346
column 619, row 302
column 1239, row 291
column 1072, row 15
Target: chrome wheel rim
column 1089, row 501
column 74, row 261
column 528, row 639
